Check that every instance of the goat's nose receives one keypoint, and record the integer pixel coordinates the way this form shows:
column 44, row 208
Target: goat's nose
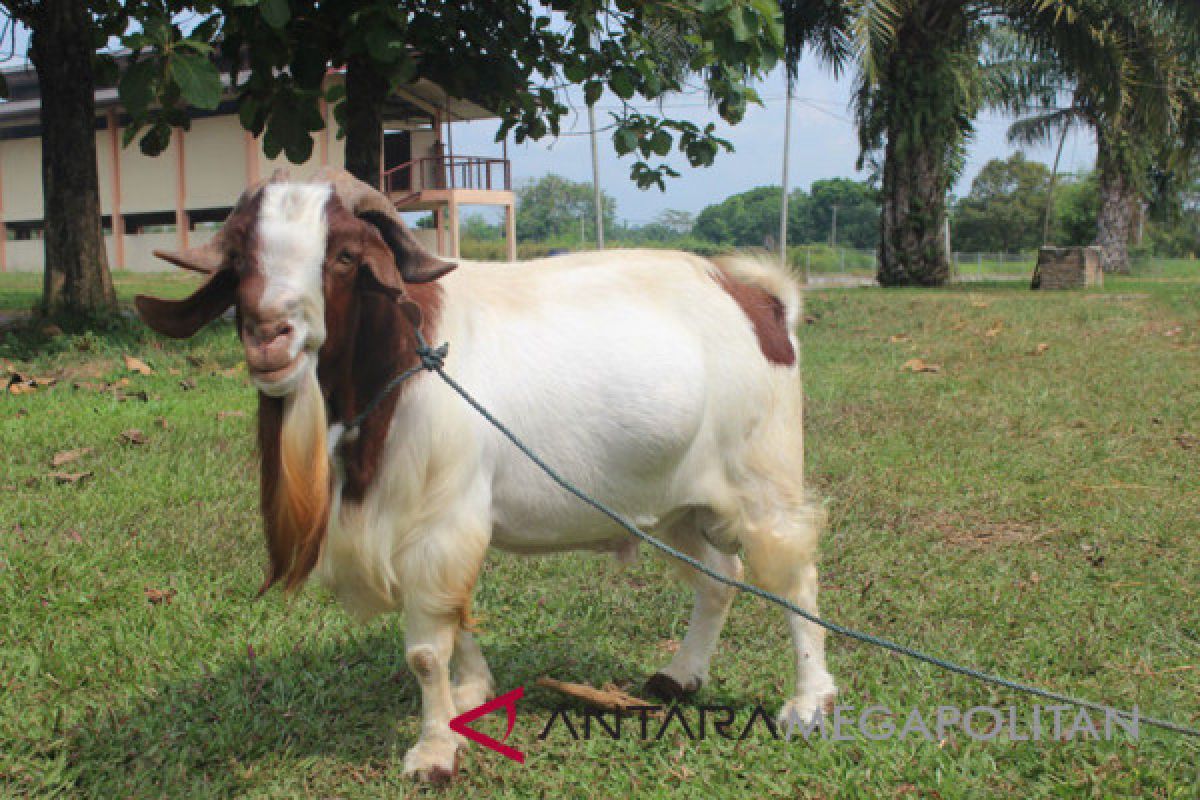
column 264, row 332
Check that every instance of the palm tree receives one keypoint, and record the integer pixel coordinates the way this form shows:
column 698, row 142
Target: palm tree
column 920, row 82
column 922, row 76
column 1137, row 89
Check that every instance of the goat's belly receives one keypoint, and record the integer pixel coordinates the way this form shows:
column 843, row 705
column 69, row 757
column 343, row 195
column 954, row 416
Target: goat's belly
column 645, row 476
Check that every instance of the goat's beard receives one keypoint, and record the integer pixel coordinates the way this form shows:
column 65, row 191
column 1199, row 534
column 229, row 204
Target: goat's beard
column 295, row 480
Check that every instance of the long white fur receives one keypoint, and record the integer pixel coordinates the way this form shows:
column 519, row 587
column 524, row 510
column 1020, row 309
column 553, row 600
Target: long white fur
column 637, row 377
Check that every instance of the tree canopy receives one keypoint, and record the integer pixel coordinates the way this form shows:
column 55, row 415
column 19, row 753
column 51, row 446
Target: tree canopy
column 553, row 207
column 1005, row 208
column 510, row 56
column 751, row 218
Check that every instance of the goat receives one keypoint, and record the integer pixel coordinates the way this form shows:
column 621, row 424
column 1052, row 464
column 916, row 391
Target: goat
column 661, row 382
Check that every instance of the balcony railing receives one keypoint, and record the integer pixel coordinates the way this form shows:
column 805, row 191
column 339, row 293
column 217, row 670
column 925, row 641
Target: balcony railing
column 449, row 172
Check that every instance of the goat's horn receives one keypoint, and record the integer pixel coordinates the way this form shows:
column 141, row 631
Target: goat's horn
column 356, row 195
column 206, row 259
column 415, row 264
column 210, row 256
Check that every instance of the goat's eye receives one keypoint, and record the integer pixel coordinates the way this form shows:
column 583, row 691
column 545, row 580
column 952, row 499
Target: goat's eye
column 345, row 259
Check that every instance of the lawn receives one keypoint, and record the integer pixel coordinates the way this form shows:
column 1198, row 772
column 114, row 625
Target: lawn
column 1031, row 508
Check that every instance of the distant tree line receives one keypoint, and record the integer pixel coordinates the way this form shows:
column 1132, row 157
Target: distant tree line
column 1005, row 210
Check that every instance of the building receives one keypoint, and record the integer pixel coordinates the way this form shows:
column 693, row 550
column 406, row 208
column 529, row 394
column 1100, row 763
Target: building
column 178, row 198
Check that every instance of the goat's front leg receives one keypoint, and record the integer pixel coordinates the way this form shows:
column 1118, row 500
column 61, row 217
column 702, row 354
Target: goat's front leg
column 428, row 645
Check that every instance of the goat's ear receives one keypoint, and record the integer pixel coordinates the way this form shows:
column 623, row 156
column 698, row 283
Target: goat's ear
column 415, row 263
column 180, row 319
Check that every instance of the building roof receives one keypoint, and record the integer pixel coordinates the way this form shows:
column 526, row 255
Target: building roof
column 421, row 102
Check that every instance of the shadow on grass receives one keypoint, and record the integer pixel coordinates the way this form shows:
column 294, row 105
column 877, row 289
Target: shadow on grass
column 353, row 702
column 39, row 337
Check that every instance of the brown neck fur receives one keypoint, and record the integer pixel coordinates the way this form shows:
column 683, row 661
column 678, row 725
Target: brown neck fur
column 383, row 345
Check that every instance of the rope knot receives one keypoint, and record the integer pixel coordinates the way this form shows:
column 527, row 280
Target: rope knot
column 433, row 358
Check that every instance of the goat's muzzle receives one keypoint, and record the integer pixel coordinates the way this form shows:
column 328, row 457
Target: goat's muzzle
column 272, row 348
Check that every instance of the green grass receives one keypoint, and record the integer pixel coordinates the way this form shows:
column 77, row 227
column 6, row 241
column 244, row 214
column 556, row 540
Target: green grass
column 1034, row 515
column 22, row 291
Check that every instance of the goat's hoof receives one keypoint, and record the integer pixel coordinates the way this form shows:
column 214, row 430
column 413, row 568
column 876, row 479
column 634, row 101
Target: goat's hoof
column 433, row 762
column 805, row 709
column 664, row 687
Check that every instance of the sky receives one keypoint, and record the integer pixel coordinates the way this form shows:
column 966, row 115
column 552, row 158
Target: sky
column 823, row 145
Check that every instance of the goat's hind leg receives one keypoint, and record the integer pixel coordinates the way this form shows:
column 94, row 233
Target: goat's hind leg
column 780, row 552
column 688, row 670
column 473, row 683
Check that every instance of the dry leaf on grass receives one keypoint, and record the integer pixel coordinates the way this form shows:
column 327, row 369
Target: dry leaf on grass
column 980, row 304
column 162, row 423
column 187, row 384
column 70, row 477
column 610, row 698
column 995, row 330
column 135, row 364
column 133, row 436
column 67, row 456
column 897, row 338
column 25, row 384
column 227, row 414
column 160, row 597
column 1187, row 440
column 918, row 365
column 1039, row 349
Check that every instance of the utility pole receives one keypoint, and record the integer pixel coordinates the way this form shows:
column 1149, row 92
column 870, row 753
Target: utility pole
column 833, row 230
column 1062, row 140
column 783, row 199
column 597, row 199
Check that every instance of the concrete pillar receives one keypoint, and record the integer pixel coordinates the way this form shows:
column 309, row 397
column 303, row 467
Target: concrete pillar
column 510, row 231
column 181, row 216
column 118, row 220
column 454, row 237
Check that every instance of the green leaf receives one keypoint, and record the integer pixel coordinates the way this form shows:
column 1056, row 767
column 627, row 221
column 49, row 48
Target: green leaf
column 335, row 92
column 660, row 142
column 743, row 22
column 624, row 140
column 592, row 91
column 137, row 87
column 621, row 83
column 385, row 44
column 251, row 116
column 198, row 79
column 156, row 140
column 575, row 71
column 276, row 13
column 406, row 71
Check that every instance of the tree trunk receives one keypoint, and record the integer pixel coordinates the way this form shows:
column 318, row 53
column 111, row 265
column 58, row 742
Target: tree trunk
column 366, row 92
column 912, row 247
column 1114, row 222
column 76, row 272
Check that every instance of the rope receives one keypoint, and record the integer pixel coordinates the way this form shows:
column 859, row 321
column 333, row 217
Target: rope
column 434, row 361
column 431, row 359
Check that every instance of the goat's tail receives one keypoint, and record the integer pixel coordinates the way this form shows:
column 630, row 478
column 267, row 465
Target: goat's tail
column 766, row 273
